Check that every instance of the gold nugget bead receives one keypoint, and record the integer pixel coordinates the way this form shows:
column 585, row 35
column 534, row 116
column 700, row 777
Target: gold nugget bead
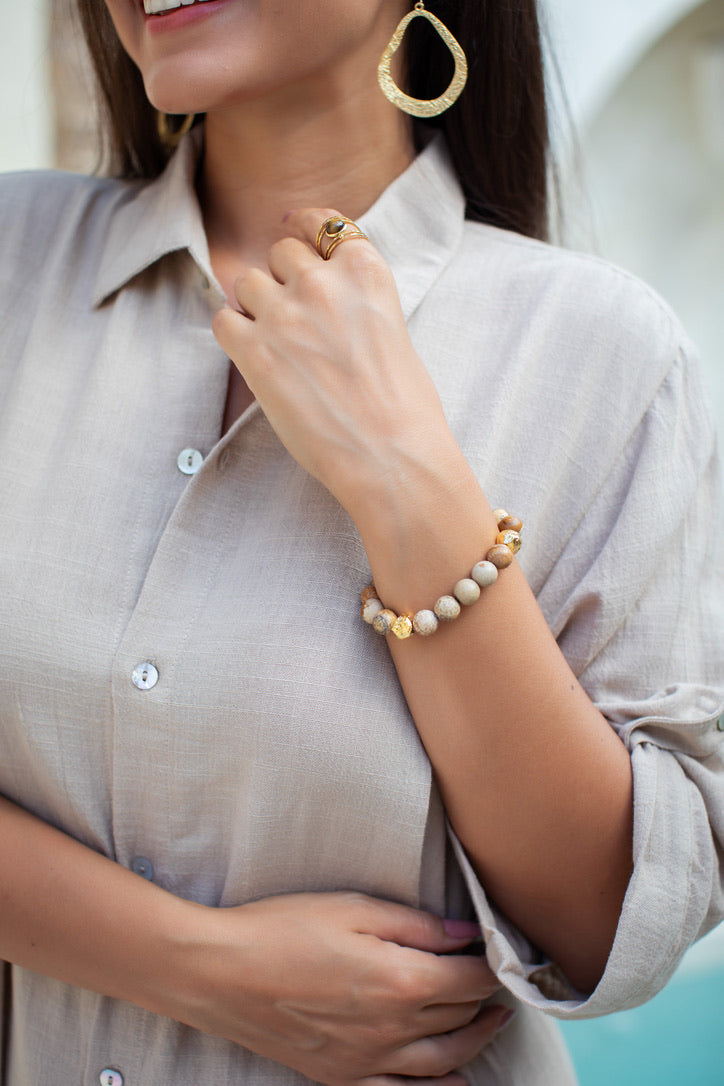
column 402, row 627
column 510, row 539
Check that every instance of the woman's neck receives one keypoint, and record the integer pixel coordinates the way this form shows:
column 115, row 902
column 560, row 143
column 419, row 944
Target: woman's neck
column 265, row 158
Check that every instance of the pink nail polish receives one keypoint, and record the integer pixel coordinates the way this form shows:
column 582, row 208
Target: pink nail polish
column 461, row 929
column 505, row 1017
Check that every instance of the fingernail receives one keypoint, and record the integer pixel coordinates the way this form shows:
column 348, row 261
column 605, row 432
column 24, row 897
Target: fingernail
column 505, row 1017
column 461, row 929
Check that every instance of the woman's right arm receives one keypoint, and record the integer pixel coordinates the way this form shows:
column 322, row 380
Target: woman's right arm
column 341, row 987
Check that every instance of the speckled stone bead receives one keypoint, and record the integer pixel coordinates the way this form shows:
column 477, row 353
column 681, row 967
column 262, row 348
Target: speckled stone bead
column 383, row 622
column 402, row 627
column 500, row 514
column 368, row 593
column 500, row 555
column 466, row 591
column 484, row 573
column 510, row 524
column 425, row 623
column 371, row 609
column 510, row 539
column 447, row 608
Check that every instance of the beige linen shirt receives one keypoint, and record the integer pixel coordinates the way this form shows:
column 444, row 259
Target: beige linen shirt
column 274, row 752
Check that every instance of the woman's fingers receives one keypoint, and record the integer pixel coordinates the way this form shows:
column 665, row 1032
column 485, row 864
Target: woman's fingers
column 442, row 1018
column 305, row 224
column 255, row 291
column 288, row 257
column 412, row 927
column 445, row 1053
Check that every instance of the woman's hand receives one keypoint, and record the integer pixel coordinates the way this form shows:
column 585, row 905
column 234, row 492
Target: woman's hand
column 324, row 347
column 345, row 988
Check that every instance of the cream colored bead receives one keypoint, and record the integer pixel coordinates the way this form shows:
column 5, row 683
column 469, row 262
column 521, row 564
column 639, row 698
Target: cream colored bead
column 424, row 623
column 447, row 608
column 499, row 514
column 466, row 591
column 484, row 573
column 383, row 622
column 371, row 608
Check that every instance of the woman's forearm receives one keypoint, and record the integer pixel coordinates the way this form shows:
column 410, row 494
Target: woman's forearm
column 536, row 783
column 70, row 913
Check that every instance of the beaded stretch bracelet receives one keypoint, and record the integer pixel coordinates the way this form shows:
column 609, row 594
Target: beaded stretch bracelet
column 465, row 592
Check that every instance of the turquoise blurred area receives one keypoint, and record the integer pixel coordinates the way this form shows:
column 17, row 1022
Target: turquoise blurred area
column 677, row 1039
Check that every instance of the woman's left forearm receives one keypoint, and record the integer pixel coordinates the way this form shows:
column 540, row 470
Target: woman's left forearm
column 536, row 783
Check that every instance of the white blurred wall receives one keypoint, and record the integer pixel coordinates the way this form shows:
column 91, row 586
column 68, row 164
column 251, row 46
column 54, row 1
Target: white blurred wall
column 25, row 123
column 645, row 80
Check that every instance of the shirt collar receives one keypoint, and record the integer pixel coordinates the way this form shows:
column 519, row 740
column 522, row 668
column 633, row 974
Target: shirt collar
column 415, row 224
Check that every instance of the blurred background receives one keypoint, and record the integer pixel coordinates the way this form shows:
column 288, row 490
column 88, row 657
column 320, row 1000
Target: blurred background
column 644, row 184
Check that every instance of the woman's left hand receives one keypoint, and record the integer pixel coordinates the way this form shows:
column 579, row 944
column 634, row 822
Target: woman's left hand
column 324, row 347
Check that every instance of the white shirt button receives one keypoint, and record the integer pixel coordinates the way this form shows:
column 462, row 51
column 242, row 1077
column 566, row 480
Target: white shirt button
column 189, row 461
column 143, row 867
column 110, row 1077
column 144, row 676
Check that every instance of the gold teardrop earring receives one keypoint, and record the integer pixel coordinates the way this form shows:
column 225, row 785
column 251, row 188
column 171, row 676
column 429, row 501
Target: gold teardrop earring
column 171, row 137
column 418, row 107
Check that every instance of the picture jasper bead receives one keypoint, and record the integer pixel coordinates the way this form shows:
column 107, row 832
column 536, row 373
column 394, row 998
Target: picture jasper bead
column 425, row 623
column 500, row 555
column 383, row 621
column 466, row 591
column 447, row 608
column 371, row 609
column 510, row 524
column 500, row 514
column 368, row 593
column 484, row 574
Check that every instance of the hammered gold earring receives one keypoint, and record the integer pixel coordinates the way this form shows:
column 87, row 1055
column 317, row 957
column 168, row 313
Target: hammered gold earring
column 418, row 107
column 170, row 137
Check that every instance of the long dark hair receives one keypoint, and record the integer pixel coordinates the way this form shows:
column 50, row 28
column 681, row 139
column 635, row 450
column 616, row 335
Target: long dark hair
column 497, row 131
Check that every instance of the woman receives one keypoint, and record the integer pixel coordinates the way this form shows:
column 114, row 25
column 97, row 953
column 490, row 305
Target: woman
column 224, row 853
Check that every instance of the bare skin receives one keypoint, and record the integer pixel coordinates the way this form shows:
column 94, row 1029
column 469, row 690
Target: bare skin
column 536, row 783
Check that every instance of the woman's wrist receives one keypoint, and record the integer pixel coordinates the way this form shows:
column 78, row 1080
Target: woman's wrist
column 423, row 525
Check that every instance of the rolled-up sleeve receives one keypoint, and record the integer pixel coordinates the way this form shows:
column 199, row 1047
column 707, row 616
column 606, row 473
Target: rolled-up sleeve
column 636, row 601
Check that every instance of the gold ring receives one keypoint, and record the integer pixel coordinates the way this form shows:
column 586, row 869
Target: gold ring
column 334, row 231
